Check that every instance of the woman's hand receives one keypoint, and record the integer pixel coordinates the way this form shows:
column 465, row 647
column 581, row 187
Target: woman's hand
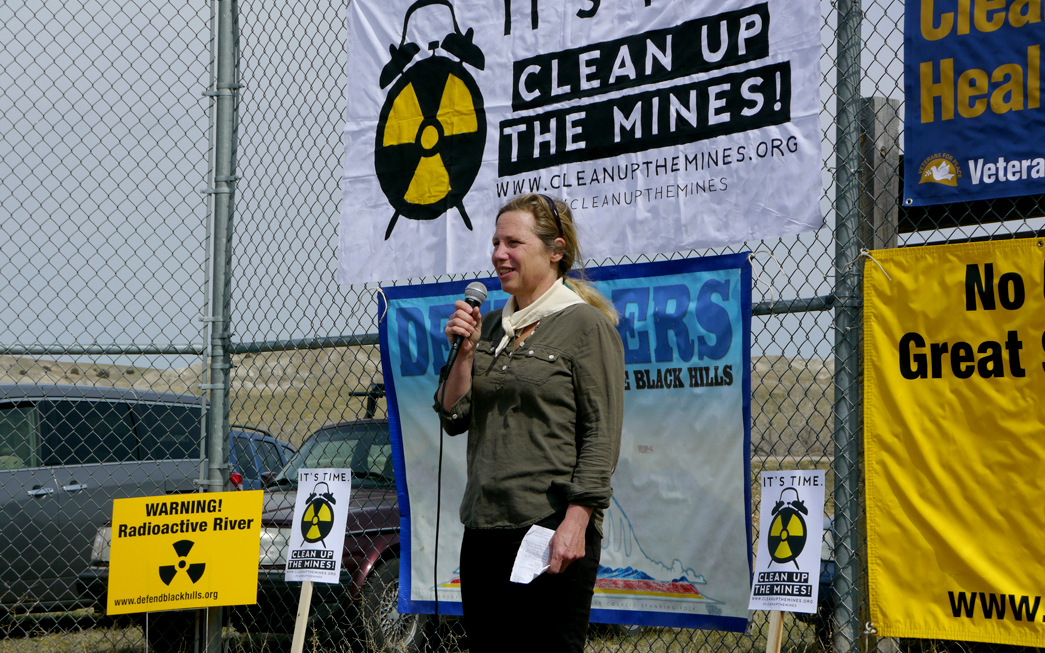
column 567, row 544
column 465, row 322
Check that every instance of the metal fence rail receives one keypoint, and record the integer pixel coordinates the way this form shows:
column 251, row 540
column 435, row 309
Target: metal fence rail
column 169, row 191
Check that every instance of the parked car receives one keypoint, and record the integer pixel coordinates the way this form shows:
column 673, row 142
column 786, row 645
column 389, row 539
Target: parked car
column 66, row 452
column 365, row 603
column 255, row 457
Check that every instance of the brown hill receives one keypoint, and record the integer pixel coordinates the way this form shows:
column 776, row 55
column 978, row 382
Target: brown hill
column 290, row 394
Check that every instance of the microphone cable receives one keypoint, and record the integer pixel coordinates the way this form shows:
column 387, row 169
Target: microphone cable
column 439, row 491
column 474, row 295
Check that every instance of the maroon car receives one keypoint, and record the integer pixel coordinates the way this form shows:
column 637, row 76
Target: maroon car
column 364, row 605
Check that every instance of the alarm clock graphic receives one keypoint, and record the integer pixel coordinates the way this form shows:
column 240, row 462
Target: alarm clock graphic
column 431, row 131
column 787, row 532
column 317, row 519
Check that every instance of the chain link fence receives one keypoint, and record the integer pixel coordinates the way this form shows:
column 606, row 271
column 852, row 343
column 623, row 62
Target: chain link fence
column 112, row 203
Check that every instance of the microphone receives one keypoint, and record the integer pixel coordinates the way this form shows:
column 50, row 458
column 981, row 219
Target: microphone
column 474, row 295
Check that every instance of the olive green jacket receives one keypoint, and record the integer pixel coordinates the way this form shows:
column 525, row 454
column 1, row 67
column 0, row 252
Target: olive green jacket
column 543, row 420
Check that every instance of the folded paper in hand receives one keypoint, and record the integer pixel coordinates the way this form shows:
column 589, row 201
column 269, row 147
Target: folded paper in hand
column 532, row 559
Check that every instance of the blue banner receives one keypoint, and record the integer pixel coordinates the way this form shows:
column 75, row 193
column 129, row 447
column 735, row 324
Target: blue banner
column 677, row 536
column 973, row 116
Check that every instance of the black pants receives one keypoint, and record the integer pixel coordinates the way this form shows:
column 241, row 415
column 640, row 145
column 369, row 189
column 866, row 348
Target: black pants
column 549, row 614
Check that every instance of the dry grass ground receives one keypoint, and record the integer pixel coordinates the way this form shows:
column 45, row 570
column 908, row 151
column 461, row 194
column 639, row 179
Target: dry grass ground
column 62, row 635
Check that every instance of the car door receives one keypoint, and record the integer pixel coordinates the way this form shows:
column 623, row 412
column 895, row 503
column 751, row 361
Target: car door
column 29, row 508
column 273, row 455
column 171, row 446
column 91, row 448
column 254, row 455
column 243, row 459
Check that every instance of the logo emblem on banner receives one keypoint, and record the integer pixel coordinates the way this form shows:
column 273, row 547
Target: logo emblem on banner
column 940, row 169
column 432, row 129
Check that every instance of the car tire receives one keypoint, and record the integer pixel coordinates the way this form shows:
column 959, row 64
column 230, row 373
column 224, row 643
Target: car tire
column 386, row 629
column 171, row 632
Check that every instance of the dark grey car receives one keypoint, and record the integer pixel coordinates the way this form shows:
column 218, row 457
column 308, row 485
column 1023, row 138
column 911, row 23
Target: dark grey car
column 65, row 453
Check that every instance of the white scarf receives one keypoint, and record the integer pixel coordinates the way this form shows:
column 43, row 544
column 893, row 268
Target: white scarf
column 552, row 301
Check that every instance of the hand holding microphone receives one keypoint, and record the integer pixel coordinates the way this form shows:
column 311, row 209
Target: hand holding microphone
column 474, row 296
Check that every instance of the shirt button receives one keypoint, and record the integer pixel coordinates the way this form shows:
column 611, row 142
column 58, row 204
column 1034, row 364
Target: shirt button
column 504, row 367
column 551, row 357
column 530, row 352
column 455, row 416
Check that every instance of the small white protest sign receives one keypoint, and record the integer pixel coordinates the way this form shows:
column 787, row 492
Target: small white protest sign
column 787, row 567
column 317, row 535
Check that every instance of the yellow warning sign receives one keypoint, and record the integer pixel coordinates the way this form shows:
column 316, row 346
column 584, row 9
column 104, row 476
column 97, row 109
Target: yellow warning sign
column 184, row 551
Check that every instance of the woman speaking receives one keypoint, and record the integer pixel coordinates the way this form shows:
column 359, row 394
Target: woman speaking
column 539, row 386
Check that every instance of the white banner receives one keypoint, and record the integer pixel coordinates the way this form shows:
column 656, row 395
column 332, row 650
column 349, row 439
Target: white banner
column 317, row 535
column 666, row 125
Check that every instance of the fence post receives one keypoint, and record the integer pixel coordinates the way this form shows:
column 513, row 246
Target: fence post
column 879, row 172
column 225, row 102
column 847, row 461
column 879, row 215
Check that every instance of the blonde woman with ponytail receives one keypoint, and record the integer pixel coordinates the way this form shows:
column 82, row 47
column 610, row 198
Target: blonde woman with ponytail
column 539, row 387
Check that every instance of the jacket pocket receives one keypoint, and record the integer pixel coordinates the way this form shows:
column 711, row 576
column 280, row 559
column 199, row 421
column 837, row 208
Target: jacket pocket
column 537, row 364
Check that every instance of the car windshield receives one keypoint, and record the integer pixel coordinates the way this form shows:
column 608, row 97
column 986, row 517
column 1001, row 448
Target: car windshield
column 363, row 447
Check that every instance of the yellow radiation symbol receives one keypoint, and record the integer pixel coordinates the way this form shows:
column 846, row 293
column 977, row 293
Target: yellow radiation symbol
column 318, row 518
column 787, row 531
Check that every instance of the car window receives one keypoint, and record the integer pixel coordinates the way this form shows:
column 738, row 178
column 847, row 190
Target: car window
column 19, row 437
column 363, row 447
column 271, row 460
column 332, row 453
column 86, row 432
column 379, row 459
column 168, row 431
column 245, row 457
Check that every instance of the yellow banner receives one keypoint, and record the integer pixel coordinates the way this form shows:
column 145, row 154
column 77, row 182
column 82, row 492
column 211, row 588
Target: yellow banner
column 954, row 351
column 184, row 551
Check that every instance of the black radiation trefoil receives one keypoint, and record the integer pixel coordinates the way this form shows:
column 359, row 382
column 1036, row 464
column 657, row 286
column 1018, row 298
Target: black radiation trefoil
column 431, row 132
column 194, row 570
